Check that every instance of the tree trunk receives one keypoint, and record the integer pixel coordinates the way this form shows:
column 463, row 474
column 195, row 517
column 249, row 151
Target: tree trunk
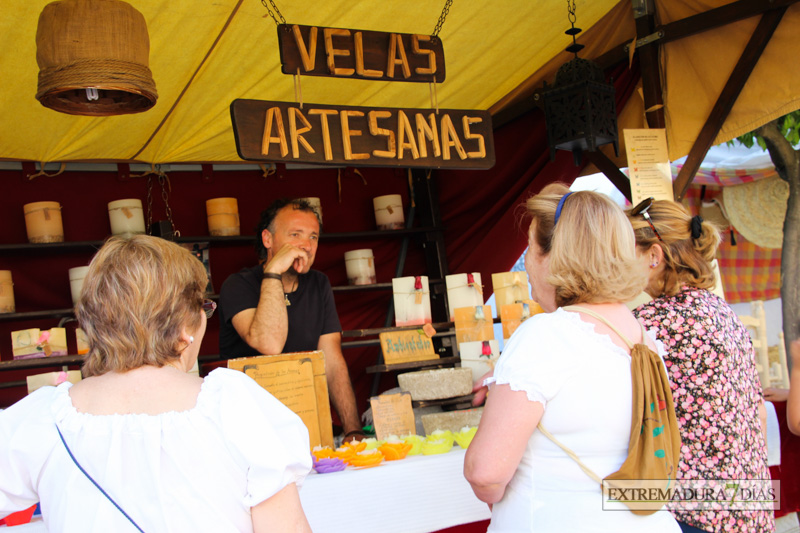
column 787, row 163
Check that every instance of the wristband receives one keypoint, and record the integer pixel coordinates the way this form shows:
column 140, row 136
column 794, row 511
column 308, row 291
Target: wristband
column 271, row 275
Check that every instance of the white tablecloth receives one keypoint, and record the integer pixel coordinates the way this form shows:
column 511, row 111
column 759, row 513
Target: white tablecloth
column 418, row 494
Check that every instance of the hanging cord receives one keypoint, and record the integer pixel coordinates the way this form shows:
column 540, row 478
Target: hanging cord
column 43, row 173
column 339, row 180
column 271, row 14
column 166, row 188
column 434, row 97
column 298, row 90
column 440, row 22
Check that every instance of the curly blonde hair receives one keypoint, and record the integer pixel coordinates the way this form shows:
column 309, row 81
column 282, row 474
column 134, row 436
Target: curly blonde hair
column 687, row 261
column 137, row 297
column 591, row 248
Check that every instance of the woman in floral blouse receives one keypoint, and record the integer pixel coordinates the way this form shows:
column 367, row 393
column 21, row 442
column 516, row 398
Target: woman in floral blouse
column 710, row 361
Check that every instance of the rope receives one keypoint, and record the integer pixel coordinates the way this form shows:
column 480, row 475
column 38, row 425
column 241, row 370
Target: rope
column 104, row 73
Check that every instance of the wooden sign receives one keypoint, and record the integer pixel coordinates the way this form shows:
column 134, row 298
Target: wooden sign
column 392, row 415
column 367, row 55
column 406, row 346
column 362, row 136
column 474, row 324
column 295, row 387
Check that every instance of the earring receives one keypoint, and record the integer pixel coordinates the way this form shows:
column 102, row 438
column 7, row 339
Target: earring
column 653, row 265
column 191, row 339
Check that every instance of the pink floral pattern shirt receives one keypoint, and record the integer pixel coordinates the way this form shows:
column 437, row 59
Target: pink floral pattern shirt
column 716, row 389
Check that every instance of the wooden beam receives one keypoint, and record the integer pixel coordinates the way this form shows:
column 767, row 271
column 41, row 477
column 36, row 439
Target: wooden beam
column 741, row 72
column 612, row 172
column 651, row 75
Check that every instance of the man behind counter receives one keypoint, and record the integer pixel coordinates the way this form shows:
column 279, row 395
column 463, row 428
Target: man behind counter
column 282, row 306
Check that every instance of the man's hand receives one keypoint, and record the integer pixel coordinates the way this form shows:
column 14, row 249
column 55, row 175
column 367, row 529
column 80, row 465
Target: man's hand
column 287, row 257
column 480, row 390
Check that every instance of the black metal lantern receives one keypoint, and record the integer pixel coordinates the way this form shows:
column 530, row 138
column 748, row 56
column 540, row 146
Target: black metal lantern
column 579, row 109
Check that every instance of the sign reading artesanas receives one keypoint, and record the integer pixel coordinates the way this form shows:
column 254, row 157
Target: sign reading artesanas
column 363, row 136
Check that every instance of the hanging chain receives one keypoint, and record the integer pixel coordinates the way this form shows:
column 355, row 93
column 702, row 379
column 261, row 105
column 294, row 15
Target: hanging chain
column 166, row 188
column 271, row 14
column 442, row 18
column 571, row 12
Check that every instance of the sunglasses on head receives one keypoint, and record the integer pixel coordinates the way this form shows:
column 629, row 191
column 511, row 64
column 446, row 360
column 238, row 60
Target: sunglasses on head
column 208, row 307
column 641, row 209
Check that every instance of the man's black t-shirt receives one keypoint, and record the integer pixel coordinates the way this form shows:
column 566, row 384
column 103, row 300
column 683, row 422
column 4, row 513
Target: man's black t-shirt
column 312, row 312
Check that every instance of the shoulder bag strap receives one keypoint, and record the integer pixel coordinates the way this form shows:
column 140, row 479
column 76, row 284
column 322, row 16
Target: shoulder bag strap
column 85, row 473
column 569, row 452
column 604, row 320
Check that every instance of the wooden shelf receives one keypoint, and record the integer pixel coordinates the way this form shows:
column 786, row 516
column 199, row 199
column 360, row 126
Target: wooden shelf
column 232, row 240
column 35, row 315
column 377, row 369
column 41, row 362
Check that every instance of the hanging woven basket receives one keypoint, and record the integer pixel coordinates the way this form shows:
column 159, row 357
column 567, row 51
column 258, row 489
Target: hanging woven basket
column 93, row 58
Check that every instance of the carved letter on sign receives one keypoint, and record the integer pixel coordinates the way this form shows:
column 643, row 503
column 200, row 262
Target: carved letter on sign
column 362, row 136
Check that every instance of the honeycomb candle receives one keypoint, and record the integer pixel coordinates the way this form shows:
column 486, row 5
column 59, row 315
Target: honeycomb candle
column 223, row 216
column 360, row 265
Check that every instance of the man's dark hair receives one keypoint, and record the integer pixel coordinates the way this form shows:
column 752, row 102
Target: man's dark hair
column 268, row 215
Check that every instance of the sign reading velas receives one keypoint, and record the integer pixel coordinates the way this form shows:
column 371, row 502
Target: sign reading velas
column 369, row 55
column 362, row 136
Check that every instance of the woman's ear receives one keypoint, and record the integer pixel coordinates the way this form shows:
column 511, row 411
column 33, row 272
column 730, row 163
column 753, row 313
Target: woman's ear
column 656, row 255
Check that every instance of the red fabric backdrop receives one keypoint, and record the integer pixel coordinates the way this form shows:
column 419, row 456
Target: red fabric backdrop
column 482, row 234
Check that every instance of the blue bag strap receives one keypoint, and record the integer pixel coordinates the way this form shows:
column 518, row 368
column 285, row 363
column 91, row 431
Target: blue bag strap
column 85, row 473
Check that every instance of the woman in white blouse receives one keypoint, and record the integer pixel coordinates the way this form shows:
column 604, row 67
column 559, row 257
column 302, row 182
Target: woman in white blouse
column 170, row 451
column 567, row 370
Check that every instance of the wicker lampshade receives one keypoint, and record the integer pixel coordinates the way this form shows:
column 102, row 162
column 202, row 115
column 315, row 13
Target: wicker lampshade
column 93, row 58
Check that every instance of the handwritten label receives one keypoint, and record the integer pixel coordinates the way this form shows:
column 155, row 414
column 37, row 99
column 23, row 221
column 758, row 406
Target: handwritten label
column 406, row 346
column 291, row 382
column 393, row 415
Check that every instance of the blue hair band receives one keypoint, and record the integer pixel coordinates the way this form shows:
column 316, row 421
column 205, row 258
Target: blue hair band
column 560, row 207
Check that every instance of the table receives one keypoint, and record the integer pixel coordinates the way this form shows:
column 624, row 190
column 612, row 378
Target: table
column 418, row 494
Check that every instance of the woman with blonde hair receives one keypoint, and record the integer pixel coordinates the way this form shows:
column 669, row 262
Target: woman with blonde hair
column 140, row 444
column 710, row 360
column 569, row 370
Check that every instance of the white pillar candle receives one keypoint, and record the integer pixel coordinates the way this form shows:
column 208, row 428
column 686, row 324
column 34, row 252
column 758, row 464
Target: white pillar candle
column 360, row 265
column 412, row 301
column 389, row 211
column 6, row 292
column 316, row 204
column 43, row 222
column 76, row 276
column 126, row 217
column 223, row 216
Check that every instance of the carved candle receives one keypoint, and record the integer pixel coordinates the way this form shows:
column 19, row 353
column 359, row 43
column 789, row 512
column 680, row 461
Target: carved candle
column 360, row 265
column 43, row 222
column 223, row 216
column 6, row 292
column 389, row 211
column 126, row 217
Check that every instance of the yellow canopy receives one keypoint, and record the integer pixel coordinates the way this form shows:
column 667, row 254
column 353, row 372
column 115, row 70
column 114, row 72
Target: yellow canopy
column 203, row 55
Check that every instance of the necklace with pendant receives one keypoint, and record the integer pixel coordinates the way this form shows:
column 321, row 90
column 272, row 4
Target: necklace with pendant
column 286, row 294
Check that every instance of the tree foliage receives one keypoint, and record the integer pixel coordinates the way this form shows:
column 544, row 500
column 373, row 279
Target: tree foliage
column 788, row 124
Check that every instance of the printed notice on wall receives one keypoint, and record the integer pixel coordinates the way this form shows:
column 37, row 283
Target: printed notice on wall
column 648, row 164
column 291, row 382
column 392, row 415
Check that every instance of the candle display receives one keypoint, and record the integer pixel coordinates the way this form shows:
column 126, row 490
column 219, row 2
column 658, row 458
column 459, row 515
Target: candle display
column 412, row 301
column 43, row 222
column 126, row 217
column 76, row 276
column 223, row 216
column 360, row 265
column 389, row 211
column 6, row 292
